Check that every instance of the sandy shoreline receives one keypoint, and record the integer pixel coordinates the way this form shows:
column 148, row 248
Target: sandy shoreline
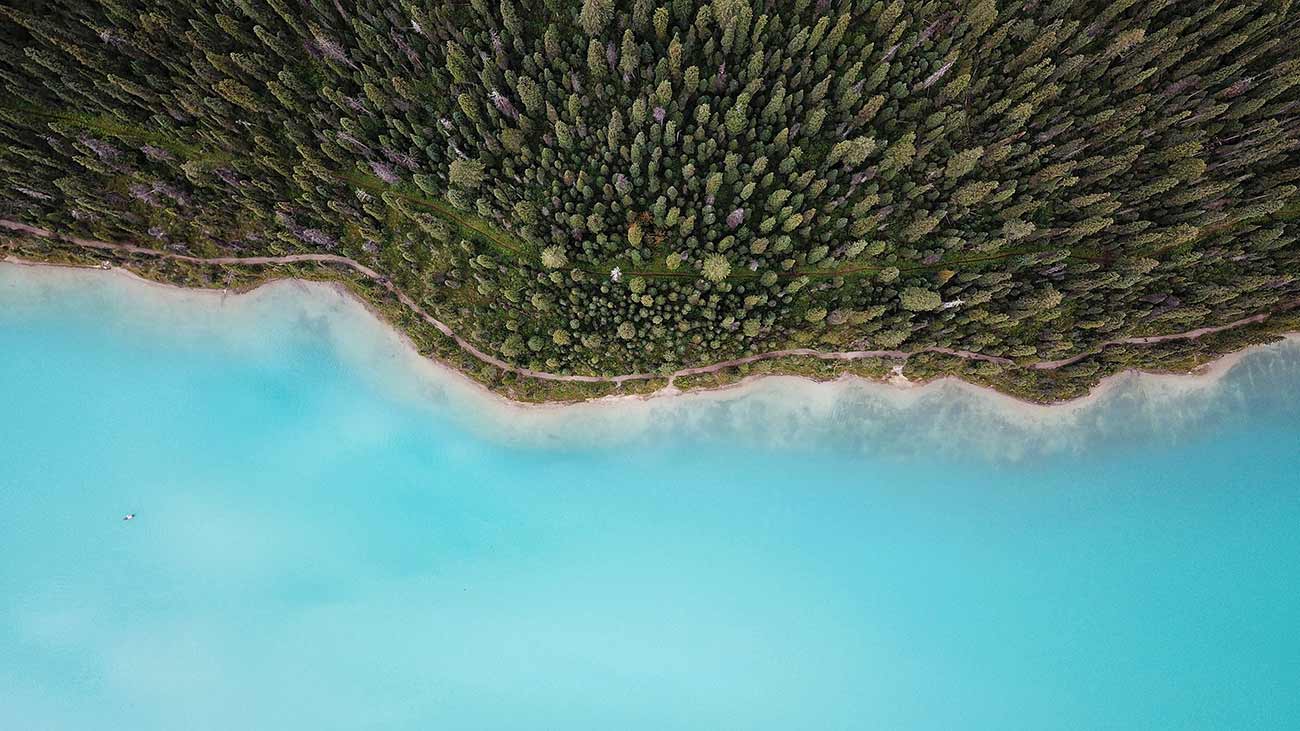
column 896, row 385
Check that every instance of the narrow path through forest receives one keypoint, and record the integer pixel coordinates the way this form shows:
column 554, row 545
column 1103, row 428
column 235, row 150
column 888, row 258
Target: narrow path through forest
column 473, row 350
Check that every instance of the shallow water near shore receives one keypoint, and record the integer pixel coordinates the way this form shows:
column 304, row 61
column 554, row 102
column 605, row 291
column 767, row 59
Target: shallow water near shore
column 333, row 533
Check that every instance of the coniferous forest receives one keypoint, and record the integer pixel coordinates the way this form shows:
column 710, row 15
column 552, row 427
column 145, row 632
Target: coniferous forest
column 601, row 187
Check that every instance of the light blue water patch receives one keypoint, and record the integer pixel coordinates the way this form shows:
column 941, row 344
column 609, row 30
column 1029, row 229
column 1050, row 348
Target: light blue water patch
column 331, row 535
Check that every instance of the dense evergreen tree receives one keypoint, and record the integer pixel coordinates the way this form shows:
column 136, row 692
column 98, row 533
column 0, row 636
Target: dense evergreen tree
column 1024, row 179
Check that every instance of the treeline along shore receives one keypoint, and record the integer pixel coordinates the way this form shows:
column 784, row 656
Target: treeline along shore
column 1256, row 329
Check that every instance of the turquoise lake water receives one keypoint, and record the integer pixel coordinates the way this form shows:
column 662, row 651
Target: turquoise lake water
column 333, row 534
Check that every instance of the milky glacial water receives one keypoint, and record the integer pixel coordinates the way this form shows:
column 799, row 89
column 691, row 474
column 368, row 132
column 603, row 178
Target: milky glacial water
column 335, row 534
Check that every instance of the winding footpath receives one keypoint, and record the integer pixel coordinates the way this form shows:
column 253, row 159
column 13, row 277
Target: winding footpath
column 490, row 359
